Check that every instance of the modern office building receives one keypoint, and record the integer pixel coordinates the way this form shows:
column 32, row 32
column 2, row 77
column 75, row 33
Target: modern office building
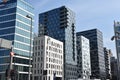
column 114, row 68
column 96, row 53
column 59, row 23
column 47, row 59
column 107, row 55
column 83, row 58
column 117, row 41
column 15, row 26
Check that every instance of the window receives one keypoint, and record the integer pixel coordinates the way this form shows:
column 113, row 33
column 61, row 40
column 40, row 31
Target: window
column 39, row 42
column 49, row 59
column 41, row 71
column 47, row 47
column 49, row 65
column 46, row 52
column 35, row 53
column 49, row 71
column 38, row 71
column 35, row 65
column 50, row 48
column 41, row 46
column 41, row 58
column 49, row 77
column 35, row 71
column 41, row 52
column 35, row 59
column 38, row 53
column 38, row 47
column 41, row 64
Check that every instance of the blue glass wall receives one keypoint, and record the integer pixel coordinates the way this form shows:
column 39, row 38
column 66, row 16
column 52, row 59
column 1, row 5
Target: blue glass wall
column 13, row 22
column 7, row 23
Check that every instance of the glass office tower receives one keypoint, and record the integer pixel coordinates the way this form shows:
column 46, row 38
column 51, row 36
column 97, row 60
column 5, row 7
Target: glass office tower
column 15, row 26
column 59, row 23
column 96, row 53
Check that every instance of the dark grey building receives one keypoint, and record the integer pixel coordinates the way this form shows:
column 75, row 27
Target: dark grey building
column 107, row 55
column 114, row 68
column 59, row 23
column 96, row 53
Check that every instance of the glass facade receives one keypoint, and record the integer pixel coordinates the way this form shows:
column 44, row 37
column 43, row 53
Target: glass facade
column 59, row 23
column 15, row 26
column 96, row 53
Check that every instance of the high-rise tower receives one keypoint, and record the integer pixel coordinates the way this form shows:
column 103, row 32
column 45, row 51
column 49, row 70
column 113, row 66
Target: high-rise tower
column 15, row 26
column 59, row 23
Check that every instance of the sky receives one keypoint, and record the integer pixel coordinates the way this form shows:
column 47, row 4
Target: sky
column 90, row 14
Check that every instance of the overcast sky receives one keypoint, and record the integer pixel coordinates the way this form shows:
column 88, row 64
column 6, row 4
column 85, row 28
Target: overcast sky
column 90, row 14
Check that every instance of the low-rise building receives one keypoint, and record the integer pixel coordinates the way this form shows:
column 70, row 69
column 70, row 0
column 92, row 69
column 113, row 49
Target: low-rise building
column 107, row 55
column 47, row 58
column 83, row 57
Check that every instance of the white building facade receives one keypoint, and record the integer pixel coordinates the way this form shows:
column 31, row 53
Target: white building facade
column 83, row 51
column 47, row 59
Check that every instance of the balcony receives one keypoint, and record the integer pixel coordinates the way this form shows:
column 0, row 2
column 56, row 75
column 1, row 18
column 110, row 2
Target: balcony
column 63, row 25
column 63, row 9
column 63, row 21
